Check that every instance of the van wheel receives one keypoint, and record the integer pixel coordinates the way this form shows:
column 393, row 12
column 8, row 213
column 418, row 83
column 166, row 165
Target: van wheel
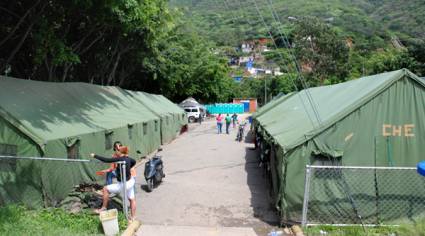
column 191, row 119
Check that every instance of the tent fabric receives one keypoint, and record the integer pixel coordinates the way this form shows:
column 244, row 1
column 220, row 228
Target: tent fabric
column 66, row 109
column 299, row 122
column 359, row 119
column 166, row 112
column 70, row 120
column 189, row 102
column 178, row 112
column 178, row 116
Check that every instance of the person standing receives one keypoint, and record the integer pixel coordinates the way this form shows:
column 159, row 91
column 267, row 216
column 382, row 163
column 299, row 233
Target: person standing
column 133, row 175
column 116, row 187
column 219, row 119
column 234, row 119
column 228, row 121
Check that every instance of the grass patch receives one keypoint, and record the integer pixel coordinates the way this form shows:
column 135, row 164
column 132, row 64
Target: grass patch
column 417, row 229
column 17, row 220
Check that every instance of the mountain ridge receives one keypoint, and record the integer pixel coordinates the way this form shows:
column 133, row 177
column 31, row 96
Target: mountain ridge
column 368, row 21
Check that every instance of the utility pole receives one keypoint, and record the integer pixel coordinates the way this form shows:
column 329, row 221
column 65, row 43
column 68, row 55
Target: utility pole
column 265, row 90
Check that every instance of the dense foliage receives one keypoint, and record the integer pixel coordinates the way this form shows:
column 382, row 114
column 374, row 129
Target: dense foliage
column 320, row 49
column 371, row 22
column 60, row 40
column 181, row 52
column 332, row 41
column 140, row 45
column 187, row 66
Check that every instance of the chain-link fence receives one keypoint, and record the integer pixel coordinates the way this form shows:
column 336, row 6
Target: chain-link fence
column 48, row 182
column 346, row 195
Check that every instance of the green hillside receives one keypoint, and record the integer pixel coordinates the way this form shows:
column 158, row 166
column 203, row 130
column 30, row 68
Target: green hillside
column 347, row 39
column 370, row 22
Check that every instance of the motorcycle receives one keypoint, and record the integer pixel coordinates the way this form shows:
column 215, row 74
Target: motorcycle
column 241, row 128
column 154, row 171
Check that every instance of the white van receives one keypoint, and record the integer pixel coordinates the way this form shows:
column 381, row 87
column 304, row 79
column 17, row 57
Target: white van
column 194, row 113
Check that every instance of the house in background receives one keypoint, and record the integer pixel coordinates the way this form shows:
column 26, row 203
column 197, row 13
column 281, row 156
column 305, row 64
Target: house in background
column 248, row 46
column 250, row 104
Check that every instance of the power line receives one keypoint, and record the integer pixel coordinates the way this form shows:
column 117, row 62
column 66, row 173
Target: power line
column 309, row 98
column 295, row 61
column 285, row 38
column 297, row 67
column 281, row 56
column 260, row 16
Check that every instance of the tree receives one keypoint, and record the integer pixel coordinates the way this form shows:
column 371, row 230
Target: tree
column 93, row 41
column 138, row 45
column 390, row 60
column 417, row 51
column 283, row 84
column 321, row 52
column 187, row 66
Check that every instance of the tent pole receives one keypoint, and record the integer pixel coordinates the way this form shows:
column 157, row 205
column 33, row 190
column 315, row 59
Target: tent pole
column 124, row 189
column 306, row 194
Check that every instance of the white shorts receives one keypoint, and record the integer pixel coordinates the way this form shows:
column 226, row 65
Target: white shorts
column 117, row 188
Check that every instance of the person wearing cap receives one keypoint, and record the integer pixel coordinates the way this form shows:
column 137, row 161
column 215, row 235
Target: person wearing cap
column 234, row 119
column 116, row 187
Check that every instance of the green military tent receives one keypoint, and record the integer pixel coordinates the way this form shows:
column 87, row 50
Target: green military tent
column 180, row 117
column 170, row 126
column 371, row 121
column 65, row 120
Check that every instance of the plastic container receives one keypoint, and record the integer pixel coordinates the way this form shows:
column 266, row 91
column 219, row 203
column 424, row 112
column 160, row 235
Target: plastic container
column 109, row 221
column 225, row 108
column 421, row 168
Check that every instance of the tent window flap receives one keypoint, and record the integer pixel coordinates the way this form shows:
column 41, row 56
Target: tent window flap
column 73, row 151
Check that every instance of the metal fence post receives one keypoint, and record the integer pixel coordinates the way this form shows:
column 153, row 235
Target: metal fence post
column 306, row 194
column 124, row 188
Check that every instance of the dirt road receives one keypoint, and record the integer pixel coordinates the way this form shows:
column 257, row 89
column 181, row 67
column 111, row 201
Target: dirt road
column 213, row 186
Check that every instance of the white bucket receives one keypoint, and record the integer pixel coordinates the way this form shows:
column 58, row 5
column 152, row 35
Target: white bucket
column 109, row 221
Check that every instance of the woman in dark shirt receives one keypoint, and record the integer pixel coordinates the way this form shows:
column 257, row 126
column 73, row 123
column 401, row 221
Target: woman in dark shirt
column 117, row 187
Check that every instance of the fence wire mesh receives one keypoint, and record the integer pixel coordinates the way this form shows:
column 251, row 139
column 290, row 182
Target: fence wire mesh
column 48, row 182
column 339, row 195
